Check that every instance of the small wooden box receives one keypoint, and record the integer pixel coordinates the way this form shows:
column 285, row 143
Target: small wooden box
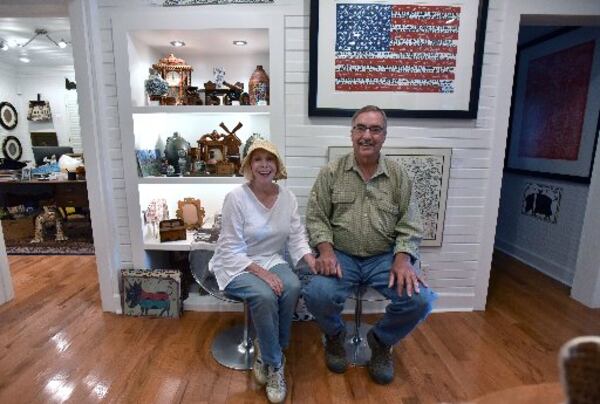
column 172, row 230
column 225, row 168
column 151, row 292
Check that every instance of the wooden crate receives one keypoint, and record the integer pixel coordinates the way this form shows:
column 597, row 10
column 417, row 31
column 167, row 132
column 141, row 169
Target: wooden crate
column 151, row 292
column 18, row 229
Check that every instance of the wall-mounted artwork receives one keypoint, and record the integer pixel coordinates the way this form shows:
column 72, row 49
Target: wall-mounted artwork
column 429, row 170
column 554, row 122
column 8, row 115
column 541, row 201
column 412, row 58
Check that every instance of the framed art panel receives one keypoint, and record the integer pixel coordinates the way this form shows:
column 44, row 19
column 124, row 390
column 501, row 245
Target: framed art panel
column 412, row 58
column 429, row 169
column 556, row 104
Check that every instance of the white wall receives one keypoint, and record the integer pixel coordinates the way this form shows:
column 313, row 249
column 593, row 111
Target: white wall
column 459, row 270
column 552, row 248
column 51, row 86
column 8, row 93
column 18, row 86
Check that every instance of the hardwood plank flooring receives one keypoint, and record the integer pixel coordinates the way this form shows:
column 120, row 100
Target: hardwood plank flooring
column 56, row 345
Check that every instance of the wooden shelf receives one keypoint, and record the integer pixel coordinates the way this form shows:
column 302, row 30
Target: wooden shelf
column 192, row 180
column 203, row 109
column 180, row 245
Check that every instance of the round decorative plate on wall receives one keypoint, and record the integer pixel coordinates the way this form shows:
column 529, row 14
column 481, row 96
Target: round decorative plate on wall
column 12, row 149
column 8, row 115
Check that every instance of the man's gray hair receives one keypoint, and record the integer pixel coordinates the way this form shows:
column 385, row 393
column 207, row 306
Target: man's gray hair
column 371, row 108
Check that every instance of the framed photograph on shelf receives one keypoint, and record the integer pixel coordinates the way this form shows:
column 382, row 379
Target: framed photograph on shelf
column 429, row 169
column 148, row 163
column 419, row 59
column 556, row 103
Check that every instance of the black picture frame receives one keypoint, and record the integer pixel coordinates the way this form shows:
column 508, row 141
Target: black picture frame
column 8, row 115
column 557, row 49
column 344, row 104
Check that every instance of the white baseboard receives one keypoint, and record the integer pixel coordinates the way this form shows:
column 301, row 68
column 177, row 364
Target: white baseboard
column 542, row 264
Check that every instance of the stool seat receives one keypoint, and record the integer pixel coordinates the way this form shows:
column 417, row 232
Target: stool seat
column 232, row 347
column 358, row 351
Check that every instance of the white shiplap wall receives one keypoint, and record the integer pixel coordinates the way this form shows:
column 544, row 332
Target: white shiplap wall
column 453, row 268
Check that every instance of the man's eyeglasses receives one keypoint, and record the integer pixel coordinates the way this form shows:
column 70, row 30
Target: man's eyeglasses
column 375, row 130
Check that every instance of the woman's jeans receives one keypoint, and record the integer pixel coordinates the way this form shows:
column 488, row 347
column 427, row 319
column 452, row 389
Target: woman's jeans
column 271, row 314
column 325, row 297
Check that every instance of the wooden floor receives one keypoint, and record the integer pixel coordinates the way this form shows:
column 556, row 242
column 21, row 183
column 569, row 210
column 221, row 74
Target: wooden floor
column 57, row 345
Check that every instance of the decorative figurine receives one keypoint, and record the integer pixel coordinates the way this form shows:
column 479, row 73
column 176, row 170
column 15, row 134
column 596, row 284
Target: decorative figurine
column 174, row 144
column 48, row 218
column 182, row 162
column 155, row 86
column 258, row 87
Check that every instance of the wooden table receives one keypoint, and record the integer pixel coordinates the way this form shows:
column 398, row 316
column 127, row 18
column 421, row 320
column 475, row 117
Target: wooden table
column 60, row 193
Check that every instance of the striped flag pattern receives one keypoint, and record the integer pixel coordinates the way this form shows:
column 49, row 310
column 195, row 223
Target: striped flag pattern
column 400, row 48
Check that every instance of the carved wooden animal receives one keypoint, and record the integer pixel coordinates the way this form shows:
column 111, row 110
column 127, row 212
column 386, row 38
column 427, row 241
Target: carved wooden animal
column 48, row 218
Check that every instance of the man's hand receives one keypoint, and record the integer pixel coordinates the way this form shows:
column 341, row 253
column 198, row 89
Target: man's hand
column 326, row 264
column 403, row 275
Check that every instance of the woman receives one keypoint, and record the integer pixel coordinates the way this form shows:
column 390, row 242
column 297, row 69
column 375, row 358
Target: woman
column 259, row 220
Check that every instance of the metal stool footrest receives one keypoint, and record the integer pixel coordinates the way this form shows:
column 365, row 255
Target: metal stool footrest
column 231, row 350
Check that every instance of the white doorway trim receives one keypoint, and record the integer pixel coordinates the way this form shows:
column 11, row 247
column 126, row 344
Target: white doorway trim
column 87, row 55
column 559, row 12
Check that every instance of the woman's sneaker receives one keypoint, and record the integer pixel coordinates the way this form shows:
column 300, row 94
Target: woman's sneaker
column 258, row 367
column 276, row 386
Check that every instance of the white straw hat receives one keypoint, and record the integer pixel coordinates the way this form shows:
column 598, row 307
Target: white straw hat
column 262, row 144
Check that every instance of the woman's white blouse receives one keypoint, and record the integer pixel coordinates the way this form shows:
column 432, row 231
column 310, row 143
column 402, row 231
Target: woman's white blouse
column 252, row 233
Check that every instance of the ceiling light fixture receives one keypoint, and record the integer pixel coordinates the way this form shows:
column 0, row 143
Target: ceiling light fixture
column 240, row 43
column 24, row 59
column 41, row 31
column 178, row 44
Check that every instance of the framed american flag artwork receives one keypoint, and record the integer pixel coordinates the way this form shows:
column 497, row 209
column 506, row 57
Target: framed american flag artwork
column 419, row 58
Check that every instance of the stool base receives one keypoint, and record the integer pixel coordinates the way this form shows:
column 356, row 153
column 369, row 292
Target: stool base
column 358, row 352
column 230, row 350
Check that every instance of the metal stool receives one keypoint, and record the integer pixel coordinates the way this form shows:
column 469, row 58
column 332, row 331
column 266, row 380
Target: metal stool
column 358, row 352
column 232, row 347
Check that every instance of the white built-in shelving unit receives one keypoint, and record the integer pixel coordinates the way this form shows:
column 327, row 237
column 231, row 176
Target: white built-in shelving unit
column 140, row 41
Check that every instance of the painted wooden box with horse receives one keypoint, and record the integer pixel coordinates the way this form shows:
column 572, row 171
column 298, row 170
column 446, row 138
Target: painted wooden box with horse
column 151, row 292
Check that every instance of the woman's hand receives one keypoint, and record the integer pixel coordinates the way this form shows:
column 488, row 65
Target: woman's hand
column 311, row 262
column 268, row 277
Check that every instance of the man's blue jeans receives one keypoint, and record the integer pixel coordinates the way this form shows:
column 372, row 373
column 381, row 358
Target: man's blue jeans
column 325, row 297
column 271, row 314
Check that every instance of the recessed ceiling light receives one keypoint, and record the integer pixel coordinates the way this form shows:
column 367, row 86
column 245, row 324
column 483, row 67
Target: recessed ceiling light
column 240, row 43
column 178, row 44
column 24, row 59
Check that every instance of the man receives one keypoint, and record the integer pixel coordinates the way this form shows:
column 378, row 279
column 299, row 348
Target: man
column 364, row 221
